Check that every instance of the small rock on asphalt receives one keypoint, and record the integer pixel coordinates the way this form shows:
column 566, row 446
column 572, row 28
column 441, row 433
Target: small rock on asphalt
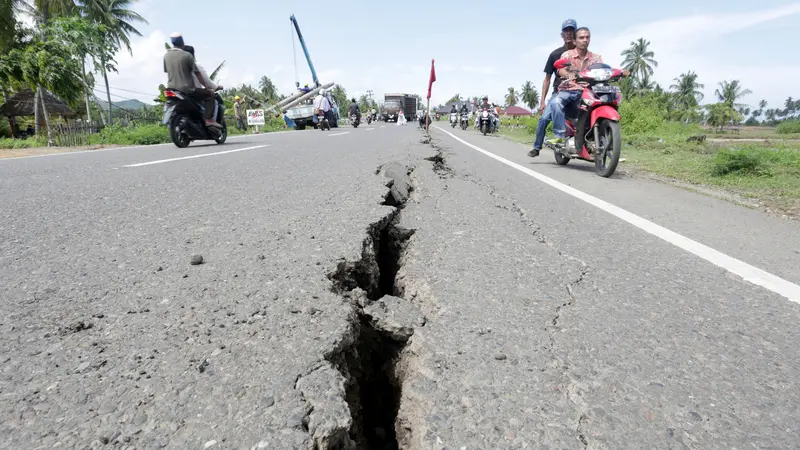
column 196, row 260
column 500, row 356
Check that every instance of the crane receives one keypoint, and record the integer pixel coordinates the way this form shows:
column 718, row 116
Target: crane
column 305, row 50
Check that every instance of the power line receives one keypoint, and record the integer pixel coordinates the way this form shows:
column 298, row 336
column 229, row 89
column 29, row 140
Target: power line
column 133, row 92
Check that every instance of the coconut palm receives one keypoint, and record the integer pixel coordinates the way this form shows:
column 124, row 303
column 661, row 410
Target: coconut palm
column 730, row 92
column 267, row 88
column 687, row 90
column 639, row 59
column 118, row 18
column 511, row 97
column 529, row 94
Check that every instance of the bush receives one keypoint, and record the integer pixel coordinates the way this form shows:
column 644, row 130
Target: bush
column 789, row 126
column 22, row 143
column 745, row 161
column 138, row 135
column 641, row 115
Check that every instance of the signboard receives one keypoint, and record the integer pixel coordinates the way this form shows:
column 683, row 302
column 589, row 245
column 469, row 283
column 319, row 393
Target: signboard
column 255, row 117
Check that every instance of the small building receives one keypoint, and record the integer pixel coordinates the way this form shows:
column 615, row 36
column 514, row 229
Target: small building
column 516, row 111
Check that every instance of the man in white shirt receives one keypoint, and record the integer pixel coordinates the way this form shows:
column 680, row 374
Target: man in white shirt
column 322, row 104
column 211, row 102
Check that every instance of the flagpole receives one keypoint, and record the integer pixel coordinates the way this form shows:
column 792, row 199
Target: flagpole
column 427, row 117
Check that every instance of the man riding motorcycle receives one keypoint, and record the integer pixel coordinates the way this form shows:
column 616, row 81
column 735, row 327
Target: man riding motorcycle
column 492, row 112
column 181, row 69
column 569, row 92
column 210, row 86
column 354, row 109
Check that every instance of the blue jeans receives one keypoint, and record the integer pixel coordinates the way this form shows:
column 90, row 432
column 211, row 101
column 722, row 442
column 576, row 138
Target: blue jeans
column 564, row 100
column 541, row 127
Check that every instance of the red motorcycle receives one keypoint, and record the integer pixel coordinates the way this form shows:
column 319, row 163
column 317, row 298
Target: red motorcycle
column 595, row 130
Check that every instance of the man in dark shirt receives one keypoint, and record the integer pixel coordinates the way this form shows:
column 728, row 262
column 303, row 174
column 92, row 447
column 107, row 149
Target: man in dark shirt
column 568, row 35
column 354, row 109
column 179, row 66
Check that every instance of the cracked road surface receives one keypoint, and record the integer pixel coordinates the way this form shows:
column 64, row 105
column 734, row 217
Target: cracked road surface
column 376, row 290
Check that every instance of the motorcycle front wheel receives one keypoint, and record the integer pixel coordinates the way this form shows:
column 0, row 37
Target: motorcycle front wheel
column 484, row 129
column 223, row 135
column 609, row 148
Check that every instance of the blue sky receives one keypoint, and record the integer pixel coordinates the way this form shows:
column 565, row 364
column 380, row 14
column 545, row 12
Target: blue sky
column 479, row 49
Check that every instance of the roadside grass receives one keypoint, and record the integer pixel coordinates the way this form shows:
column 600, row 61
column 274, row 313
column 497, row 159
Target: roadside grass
column 768, row 171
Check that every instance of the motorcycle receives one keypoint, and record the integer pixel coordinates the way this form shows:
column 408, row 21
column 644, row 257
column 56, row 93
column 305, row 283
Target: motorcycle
column 464, row 121
column 186, row 120
column 369, row 119
column 453, row 119
column 323, row 123
column 355, row 120
column 486, row 123
column 596, row 129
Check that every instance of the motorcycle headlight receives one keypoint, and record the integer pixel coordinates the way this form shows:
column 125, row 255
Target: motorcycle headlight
column 600, row 74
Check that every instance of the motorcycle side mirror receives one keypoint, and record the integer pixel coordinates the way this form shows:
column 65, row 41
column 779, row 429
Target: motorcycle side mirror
column 562, row 64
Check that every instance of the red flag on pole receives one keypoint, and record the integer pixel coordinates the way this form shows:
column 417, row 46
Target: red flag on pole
column 432, row 79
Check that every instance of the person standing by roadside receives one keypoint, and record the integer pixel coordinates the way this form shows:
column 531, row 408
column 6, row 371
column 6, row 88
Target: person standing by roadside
column 237, row 111
column 568, row 28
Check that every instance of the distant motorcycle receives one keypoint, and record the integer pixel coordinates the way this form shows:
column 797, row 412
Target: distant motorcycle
column 355, row 120
column 486, row 125
column 323, row 123
column 453, row 119
column 464, row 121
column 369, row 119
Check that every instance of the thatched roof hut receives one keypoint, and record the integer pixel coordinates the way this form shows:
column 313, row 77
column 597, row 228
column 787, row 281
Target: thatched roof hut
column 22, row 104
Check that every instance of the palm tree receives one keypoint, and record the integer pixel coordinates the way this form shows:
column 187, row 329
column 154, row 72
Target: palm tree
column 118, row 18
column 730, row 92
column 789, row 106
column 267, row 88
column 511, row 97
column 530, row 96
column 687, row 90
column 639, row 59
column 762, row 104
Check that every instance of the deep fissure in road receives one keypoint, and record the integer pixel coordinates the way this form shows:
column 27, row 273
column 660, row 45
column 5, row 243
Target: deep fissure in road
column 369, row 364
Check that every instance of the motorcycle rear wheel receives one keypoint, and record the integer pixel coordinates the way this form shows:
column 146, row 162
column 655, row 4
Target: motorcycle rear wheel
column 609, row 148
column 178, row 132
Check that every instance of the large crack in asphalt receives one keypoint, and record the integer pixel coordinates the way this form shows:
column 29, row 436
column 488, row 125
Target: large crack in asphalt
column 380, row 325
column 572, row 388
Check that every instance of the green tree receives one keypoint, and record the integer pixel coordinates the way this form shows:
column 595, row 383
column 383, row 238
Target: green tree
column 530, row 96
column 454, row 99
column 687, row 90
column 639, row 59
column 84, row 38
column 721, row 114
column 46, row 62
column 340, row 95
column 268, row 90
column 119, row 20
column 511, row 97
column 729, row 92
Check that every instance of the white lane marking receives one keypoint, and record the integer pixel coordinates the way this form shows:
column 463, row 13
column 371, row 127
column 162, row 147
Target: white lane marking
column 339, row 134
column 383, row 126
column 195, row 156
column 100, row 150
column 749, row 273
column 369, row 129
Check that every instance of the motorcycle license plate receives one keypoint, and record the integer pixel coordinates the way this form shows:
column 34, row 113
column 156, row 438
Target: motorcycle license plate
column 601, row 89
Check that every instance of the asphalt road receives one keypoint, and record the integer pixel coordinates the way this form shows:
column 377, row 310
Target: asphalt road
column 481, row 300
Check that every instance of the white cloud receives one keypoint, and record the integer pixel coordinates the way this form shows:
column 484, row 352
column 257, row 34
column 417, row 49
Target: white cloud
column 142, row 71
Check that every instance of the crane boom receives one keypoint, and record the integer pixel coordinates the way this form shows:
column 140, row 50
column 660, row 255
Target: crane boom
column 305, row 49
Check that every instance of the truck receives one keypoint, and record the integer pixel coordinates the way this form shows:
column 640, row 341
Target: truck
column 392, row 103
column 300, row 109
